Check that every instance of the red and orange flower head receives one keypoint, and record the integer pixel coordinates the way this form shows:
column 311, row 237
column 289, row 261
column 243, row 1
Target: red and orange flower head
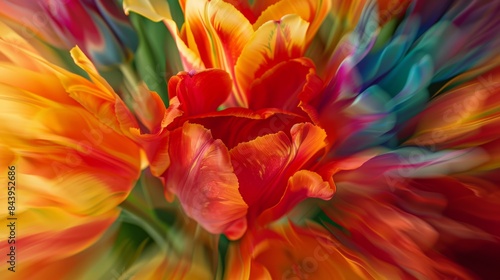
column 257, row 159
column 260, row 129
column 73, row 166
column 248, row 164
column 250, row 43
column 252, row 175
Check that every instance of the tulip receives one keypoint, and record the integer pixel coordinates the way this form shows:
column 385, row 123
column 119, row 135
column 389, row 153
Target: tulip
column 218, row 35
column 254, row 175
column 72, row 167
column 255, row 57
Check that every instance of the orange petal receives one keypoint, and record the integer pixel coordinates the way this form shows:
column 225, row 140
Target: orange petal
column 56, row 231
column 201, row 92
column 379, row 224
column 202, row 177
column 97, row 96
column 286, row 251
column 190, row 57
column 272, row 43
column 100, row 99
column 47, row 86
column 84, row 264
column 303, row 184
column 217, row 32
column 466, row 116
column 75, row 169
column 308, row 140
column 259, row 6
column 155, row 145
column 310, row 184
column 62, row 143
column 251, row 11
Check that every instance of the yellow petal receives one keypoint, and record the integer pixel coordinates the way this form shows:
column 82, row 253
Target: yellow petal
column 155, row 10
column 218, row 31
column 312, row 11
column 273, row 42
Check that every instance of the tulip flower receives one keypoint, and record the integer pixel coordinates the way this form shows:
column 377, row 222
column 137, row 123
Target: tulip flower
column 72, row 168
column 218, row 35
column 99, row 28
column 255, row 174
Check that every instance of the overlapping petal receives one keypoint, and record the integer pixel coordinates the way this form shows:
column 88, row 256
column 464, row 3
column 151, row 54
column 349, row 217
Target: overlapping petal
column 264, row 167
column 465, row 116
column 290, row 252
column 217, row 35
column 72, row 168
column 311, row 11
column 272, row 43
column 266, row 163
column 285, row 85
column 201, row 93
column 202, row 177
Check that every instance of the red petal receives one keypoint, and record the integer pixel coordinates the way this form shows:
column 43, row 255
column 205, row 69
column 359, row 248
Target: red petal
column 244, row 7
column 237, row 125
column 259, row 164
column 202, row 177
column 200, row 92
column 264, row 165
column 301, row 185
column 281, row 86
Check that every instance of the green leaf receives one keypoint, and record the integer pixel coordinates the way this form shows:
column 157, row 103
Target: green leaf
column 176, row 12
column 156, row 58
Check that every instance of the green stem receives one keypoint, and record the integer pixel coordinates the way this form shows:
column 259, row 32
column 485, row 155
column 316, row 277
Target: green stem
column 131, row 83
column 156, row 229
column 143, row 219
